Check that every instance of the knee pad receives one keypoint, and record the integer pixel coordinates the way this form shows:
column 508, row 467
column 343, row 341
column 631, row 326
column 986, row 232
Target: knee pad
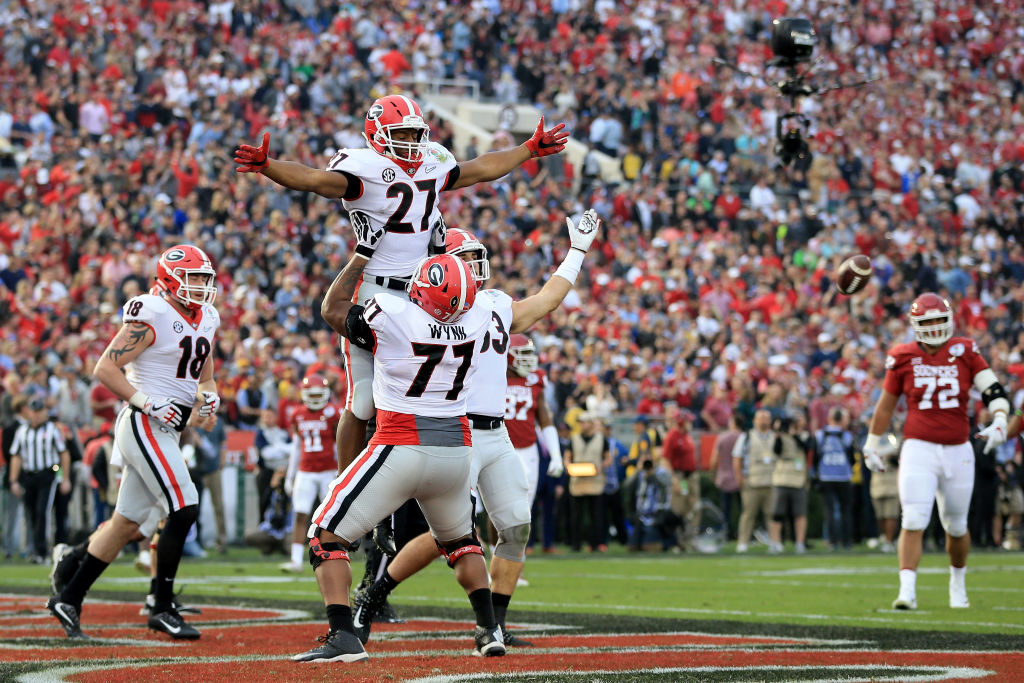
column 361, row 400
column 512, row 542
column 956, row 527
column 322, row 552
column 916, row 515
column 455, row 550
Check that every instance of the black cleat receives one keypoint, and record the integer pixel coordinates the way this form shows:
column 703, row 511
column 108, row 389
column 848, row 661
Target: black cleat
column 65, row 564
column 488, row 642
column 150, row 603
column 387, row 615
column 384, row 537
column 362, row 616
column 67, row 615
column 171, row 623
column 336, row 646
column 511, row 640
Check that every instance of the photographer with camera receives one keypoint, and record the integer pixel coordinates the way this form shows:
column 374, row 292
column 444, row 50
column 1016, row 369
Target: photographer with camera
column 789, row 483
column 653, row 518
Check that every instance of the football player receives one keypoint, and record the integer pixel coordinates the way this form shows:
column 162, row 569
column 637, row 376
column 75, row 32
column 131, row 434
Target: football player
column 390, row 189
column 312, row 465
column 498, row 473
column 935, row 373
column 424, row 356
column 159, row 362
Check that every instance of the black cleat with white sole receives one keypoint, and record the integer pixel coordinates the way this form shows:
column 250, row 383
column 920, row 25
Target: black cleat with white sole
column 336, row 646
column 67, row 615
column 511, row 640
column 150, row 603
column 171, row 623
column 488, row 642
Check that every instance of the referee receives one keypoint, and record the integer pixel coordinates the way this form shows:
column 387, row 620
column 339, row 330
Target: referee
column 37, row 452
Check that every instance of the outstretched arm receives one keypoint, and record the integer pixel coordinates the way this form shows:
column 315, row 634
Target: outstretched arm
column 289, row 174
column 338, row 299
column 531, row 309
column 494, row 165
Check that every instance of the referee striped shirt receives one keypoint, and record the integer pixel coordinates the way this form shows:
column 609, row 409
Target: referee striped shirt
column 39, row 447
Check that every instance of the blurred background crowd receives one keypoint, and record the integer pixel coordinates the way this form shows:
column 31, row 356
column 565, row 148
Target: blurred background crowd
column 709, row 294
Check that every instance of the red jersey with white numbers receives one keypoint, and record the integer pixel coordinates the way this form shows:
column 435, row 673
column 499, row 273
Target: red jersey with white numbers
column 522, row 396
column 936, row 386
column 316, row 430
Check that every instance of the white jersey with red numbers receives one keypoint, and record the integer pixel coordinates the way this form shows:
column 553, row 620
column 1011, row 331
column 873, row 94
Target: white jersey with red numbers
column 487, row 392
column 522, row 396
column 316, row 430
column 406, row 205
column 421, row 369
column 936, row 386
column 172, row 365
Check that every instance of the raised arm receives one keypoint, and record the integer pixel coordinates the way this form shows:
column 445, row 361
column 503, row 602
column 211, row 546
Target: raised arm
column 531, row 309
column 294, row 176
column 494, row 165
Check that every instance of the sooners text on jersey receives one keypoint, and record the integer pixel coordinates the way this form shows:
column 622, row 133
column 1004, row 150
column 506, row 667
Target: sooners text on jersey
column 172, row 365
column 522, row 396
column 316, row 430
column 406, row 205
column 486, row 393
column 936, row 386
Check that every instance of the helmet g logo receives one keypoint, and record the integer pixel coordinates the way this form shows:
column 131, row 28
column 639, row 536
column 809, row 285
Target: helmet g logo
column 174, row 255
column 374, row 112
column 435, row 274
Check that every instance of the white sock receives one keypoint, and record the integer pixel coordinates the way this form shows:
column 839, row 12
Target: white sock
column 957, row 574
column 908, row 582
column 297, row 551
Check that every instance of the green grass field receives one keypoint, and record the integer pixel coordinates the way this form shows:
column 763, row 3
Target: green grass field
column 851, row 590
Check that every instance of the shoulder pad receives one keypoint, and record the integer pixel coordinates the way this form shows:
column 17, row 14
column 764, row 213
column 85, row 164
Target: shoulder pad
column 144, row 308
column 438, row 151
column 354, row 161
column 391, row 304
column 496, row 297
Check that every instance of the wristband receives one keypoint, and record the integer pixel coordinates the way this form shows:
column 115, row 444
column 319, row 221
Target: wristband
column 139, row 400
column 571, row 265
column 871, row 442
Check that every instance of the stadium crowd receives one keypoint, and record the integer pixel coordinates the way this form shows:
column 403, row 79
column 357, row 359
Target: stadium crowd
column 710, row 290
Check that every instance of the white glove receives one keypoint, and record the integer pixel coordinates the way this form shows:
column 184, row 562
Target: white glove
column 995, row 433
column 288, row 484
column 211, row 402
column 582, row 236
column 873, row 461
column 438, row 238
column 555, row 468
column 162, row 409
column 872, row 458
column 367, row 236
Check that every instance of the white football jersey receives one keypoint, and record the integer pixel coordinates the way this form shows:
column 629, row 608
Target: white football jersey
column 487, row 392
column 406, row 204
column 172, row 365
column 422, row 366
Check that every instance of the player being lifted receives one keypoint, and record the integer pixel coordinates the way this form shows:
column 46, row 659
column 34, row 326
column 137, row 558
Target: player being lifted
column 390, row 189
column 498, row 475
column 159, row 362
column 424, row 355
column 313, row 464
column 936, row 374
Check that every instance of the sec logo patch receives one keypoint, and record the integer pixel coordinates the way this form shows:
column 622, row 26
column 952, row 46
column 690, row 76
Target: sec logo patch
column 388, row 175
column 178, row 327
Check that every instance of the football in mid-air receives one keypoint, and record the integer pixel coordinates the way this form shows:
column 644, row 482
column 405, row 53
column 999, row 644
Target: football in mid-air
column 853, row 274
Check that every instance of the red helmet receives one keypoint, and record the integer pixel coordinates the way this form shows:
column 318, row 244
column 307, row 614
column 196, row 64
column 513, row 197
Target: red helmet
column 174, row 268
column 443, row 286
column 463, row 244
column 392, row 113
column 316, row 392
column 522, row 355
column 927, row 308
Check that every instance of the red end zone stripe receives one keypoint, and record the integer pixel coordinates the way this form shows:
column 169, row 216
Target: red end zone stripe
column 163, row 461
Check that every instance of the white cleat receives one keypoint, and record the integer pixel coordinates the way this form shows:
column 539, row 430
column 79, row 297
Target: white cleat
column 958, row 596
column 290, row 568
column 905, row 602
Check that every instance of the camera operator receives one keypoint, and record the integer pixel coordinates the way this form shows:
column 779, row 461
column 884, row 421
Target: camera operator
column 653, row 520
column 789, row 483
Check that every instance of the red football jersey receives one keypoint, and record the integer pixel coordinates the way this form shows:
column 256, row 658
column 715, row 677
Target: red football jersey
column 316, row 430
column 522, row 395
column 936, row 386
